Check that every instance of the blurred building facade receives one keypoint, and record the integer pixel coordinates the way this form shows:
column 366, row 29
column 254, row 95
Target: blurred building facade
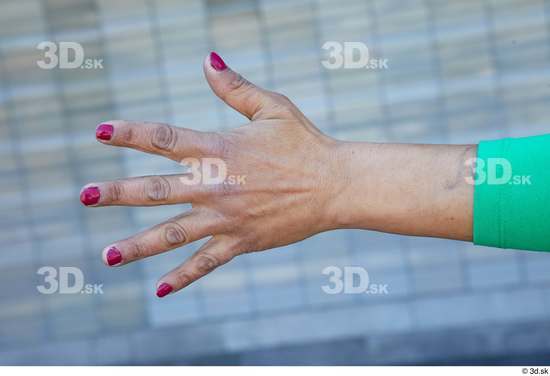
column 458, row 72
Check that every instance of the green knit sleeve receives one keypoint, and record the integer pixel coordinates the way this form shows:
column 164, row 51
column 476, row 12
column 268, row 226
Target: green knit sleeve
column 512, row 194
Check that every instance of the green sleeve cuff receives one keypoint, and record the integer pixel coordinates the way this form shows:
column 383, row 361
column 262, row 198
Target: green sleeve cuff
column 512, row 194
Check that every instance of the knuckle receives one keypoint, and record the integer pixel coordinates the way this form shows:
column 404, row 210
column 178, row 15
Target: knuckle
column 205, row 262
column 183, row 278
column 246, row 245
column 241, row 89
column 125, row 133
column 238, row 84
column 281, row 105
column 175, row 234
column 282, row 99
column 157, row 188
column 137, row 251
column 218, row 144
column 164, row 137
column 115, row 191
column 225, row 189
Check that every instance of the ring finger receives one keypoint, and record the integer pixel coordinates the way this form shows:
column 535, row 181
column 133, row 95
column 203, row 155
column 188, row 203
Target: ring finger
column 176, row 232
column 141, row 191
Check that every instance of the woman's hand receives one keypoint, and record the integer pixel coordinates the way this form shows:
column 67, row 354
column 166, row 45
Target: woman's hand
column 282, row 176
column 278, row 180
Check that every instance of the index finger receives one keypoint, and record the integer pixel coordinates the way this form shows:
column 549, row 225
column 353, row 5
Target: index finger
column 157, row 138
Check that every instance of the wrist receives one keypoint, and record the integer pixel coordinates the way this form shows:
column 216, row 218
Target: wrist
column 349, row 205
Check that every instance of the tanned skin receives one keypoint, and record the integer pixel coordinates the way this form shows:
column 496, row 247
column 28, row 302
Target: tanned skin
column 297, row 182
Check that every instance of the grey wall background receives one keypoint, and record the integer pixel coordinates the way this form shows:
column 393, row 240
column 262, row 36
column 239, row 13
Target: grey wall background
column 459, row 71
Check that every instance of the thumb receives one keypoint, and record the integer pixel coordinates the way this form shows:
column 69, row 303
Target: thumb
column 233, row 88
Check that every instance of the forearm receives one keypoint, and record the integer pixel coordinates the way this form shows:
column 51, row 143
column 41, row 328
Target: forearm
column 408, row 189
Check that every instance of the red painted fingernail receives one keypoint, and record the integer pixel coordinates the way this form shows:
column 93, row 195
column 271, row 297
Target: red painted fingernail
column 164, row 289
column 90, row 196
column 113, row 256
column 217, row 62
column 104, row 132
